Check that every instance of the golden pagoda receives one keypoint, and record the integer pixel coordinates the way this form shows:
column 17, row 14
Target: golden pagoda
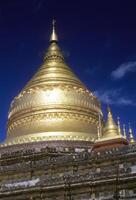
column 111, row 135
column 110, row 130
column 58, row 146
column 54, row 105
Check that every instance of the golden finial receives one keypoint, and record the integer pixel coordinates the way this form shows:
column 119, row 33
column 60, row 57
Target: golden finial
column 108, row 109
column 54, row 37
column 124, row 131
column 109, row 112
column 131, row 136
column 118, row 124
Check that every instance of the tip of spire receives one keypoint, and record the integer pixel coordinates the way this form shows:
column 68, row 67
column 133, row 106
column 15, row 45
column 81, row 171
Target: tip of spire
column 124, row 131
column 118, row 121
column 131, row 135
column 130, row 129
column 54, row 37
column 108, row 109
column 124, row 127
column 109, row 112
column 129, row 125
column 118, row 124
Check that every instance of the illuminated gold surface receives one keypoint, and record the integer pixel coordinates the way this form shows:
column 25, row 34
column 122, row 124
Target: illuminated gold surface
column 110, row 130
column 131, row 136
column 118, row 125
column 54, row 36
column 124, row 131
column 54, row 105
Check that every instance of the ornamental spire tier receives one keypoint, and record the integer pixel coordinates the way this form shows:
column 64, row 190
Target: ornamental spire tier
column 54, row 106
column 54, row 37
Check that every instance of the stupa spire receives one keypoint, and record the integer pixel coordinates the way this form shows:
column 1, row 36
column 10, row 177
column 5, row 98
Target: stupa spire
column 54, row 52
column 54, row 37
column 109, row 110
column 131, row 136
column 110, row 128
column 124, row 131
column 118, row 123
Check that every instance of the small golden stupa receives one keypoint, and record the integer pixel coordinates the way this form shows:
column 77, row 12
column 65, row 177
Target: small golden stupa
column 111, row 135
column 54, row 105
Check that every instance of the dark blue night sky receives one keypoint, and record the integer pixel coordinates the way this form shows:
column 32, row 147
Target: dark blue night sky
column 98, row 39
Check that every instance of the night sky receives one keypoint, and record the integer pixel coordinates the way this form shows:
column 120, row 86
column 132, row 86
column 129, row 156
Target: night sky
column 98, row 39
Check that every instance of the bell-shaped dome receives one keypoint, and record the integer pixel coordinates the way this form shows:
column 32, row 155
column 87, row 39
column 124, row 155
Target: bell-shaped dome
column 54, row 105
column 110, row 129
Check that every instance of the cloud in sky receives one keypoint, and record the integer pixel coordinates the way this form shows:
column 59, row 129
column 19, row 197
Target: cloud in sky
column 114, row 96
column 123, row 69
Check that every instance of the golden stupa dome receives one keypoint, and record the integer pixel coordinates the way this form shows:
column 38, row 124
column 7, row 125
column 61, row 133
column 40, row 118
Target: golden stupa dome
column 54, row 105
